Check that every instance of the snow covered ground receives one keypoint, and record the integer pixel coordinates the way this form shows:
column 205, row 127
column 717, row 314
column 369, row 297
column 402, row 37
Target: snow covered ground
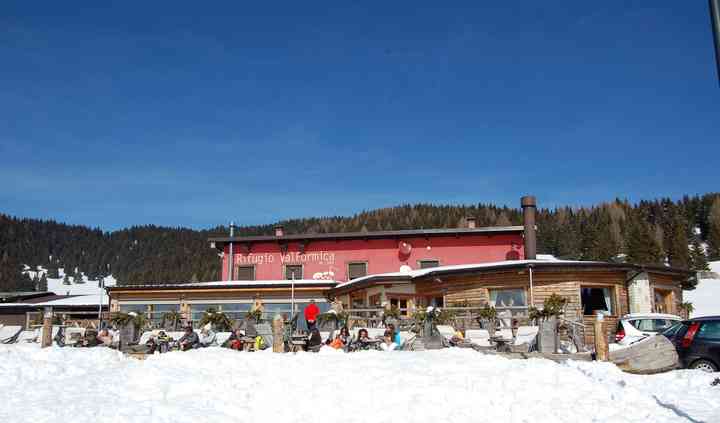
column 452, row 385
column 706, row 296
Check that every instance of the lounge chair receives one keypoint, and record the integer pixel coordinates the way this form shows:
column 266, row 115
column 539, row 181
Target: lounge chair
column 446, row 331
column 480, row 337
column 28, row 336
column 9, row 334
column 221, row 337
column 526, row 339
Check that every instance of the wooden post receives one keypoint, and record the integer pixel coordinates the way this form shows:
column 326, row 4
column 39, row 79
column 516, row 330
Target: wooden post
column 602, row 352
column 47, row 328
column 278, row 330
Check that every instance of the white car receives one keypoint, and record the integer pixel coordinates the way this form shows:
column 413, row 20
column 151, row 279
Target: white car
column 634, row 327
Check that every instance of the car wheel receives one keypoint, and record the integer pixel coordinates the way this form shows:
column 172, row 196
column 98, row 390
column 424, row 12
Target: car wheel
column 704, row 365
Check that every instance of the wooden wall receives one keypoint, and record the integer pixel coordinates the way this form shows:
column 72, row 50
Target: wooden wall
column 474, row 289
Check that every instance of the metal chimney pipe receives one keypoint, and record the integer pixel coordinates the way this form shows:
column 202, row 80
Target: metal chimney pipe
column 471, row 223
column 231, row 257
column 529, row 206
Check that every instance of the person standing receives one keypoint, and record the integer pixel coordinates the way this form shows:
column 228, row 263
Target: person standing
column 311, row 313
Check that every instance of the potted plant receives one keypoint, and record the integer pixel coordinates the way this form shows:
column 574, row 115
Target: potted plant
column 686, row 308
column 219, row 320
column 487, row 317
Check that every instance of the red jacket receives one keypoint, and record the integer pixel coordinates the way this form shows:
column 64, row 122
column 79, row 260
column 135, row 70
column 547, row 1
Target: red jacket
column 311, row 312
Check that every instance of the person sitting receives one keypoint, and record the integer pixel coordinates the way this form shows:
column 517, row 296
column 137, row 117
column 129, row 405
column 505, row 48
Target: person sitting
column 395, row 335
column 314, row 340
column 207, row 336
column 388, row 344
column 104, row 338
column 234, row 342
column 362, row 342
column 189, row 340
column 345, row 336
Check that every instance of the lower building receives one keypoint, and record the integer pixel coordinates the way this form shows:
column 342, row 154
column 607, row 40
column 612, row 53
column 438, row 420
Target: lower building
column 512, row 287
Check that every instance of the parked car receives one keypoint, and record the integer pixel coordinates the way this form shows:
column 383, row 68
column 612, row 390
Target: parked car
column 697, row 342
column 634, row 327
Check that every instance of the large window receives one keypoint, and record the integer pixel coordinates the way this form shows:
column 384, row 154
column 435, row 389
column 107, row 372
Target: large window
column 293, row 271
column 426, row 264
column 158, row 310
column 357, row 270
column 596, row 300
column 245, row 273
column 507, row 298
column 136, row 308
column 197, row 310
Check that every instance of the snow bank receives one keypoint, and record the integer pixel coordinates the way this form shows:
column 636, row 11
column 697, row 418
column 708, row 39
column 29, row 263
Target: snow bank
column 220, row 385
column 706, row 295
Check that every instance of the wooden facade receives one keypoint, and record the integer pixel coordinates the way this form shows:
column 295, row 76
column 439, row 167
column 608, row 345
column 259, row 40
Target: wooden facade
column 474, row 287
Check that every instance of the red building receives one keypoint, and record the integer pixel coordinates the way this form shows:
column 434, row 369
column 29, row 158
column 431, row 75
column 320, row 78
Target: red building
column 345, row 256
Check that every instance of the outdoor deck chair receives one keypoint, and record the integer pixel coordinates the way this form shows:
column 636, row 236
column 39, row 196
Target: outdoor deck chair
column 446, row 331
column 9, row 334
column 264, row 330
column 28, row 336
column 480, row 337
column 526, row 338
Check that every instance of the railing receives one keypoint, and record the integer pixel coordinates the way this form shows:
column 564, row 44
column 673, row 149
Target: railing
column 464, row 317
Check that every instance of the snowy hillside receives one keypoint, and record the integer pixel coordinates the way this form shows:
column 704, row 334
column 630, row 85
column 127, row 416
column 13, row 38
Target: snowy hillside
column 705, row 298
column 57, row 286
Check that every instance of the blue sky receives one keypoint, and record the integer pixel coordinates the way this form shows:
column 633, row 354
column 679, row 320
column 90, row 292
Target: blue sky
column 192, row 114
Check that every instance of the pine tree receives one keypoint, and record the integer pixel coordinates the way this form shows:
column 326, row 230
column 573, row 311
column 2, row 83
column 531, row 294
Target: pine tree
column 42, row 286
column 642, row 247
column 676, row 241
column 698, row 259
column 713, row 235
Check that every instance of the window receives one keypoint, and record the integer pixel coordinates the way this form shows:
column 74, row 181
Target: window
column 245, row 273
column 358, row 303
column 158, row 310
column 357, row 270
column 426, row 264
column 293, row 271
column 507, row 298
column 652, row 325
column 401, row 304
column 663, row 301
column 437, row 302
column 237, row 310
column 596, row 299
column 136, row 308
column 374, row 300
column 709, row 330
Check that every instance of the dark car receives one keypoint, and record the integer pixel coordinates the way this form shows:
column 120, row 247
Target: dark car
column 697, row 342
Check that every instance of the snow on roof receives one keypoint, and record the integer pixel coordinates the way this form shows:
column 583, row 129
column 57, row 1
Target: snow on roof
column 323, row 282
column 704, row 297
column 89, row 287
column 411, row 274
column 77, row 300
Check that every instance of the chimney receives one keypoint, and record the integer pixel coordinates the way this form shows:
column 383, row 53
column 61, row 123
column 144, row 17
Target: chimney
column 279, row 230
column 529, row 205
column 470, row 220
